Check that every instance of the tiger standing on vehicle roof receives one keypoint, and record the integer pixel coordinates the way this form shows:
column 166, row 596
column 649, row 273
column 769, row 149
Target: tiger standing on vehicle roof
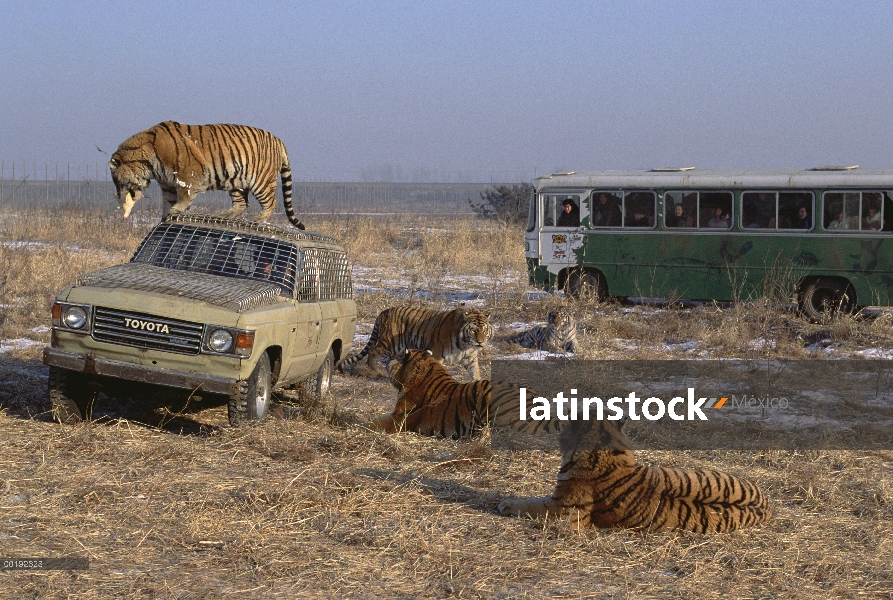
column 559, row 334
column 188, row 159
column 455, row 336
column 605, row 487
column 431, row 402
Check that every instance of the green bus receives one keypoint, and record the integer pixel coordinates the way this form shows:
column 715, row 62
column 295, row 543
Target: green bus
column 820, row 237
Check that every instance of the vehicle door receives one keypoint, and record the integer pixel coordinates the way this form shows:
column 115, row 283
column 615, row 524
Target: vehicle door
column 561, row 235
column 305, row 340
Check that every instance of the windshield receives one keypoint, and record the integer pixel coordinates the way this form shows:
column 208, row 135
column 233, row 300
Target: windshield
column 226, row 253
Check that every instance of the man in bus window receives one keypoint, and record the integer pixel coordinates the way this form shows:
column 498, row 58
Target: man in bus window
column 570, row 216
column 718, row 221
column 678, row 218
column 606, row 212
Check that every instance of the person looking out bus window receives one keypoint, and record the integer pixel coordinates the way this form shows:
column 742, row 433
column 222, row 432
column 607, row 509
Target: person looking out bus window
column 873, row 221
column 718, row 221
column 606, row 212
column 678, row 218
column 841, row 222
column 803, row 220
column 570, row 216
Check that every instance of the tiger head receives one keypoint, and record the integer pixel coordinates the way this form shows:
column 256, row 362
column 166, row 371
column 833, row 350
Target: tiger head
column 476, row 329
column 560, row 316
column 413, row 368
column 131, row 167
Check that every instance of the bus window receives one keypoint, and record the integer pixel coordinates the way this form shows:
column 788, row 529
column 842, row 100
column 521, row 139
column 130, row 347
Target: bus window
column 639, row 209
column 556, row 215
column 758, row 210
column 794, row 210
column 679, row 209
column 606, row 209
column 872, row 217
column 715, row 210
column 856, row 211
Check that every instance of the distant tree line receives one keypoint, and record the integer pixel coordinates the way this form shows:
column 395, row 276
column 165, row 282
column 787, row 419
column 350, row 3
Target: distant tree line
column 505, row 203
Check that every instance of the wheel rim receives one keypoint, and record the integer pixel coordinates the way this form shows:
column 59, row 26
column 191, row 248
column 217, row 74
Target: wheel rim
column 326, row 380
column 262, row 399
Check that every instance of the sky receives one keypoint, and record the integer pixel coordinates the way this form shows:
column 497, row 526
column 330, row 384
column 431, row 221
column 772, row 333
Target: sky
column 458, row 91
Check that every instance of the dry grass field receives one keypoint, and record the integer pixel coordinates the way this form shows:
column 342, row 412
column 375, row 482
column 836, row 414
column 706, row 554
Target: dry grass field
column 166, row 500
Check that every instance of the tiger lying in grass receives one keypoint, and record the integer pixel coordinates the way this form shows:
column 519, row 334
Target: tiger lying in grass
column 607, row 488
column 559, row 334
column 431, row 402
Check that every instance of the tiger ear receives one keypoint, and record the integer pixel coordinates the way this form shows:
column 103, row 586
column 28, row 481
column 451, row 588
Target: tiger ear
column 429, row 352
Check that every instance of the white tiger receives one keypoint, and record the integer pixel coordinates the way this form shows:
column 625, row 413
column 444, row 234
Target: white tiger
column 558, row 335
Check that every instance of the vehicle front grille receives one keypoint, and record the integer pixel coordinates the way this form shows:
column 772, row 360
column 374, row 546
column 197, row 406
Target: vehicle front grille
column 146, row 331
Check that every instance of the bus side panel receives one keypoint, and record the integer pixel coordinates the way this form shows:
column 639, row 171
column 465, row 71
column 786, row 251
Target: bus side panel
column 735, row 266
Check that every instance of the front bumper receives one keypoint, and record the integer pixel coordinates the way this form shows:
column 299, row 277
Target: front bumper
column 97, row 365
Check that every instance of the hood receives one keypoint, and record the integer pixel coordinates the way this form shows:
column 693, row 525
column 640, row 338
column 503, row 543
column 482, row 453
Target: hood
column 227, row 292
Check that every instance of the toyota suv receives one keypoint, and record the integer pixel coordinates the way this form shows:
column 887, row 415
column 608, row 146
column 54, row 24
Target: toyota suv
column 221, row 306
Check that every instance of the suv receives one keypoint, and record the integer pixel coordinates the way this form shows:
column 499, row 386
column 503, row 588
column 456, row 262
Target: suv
column 225, row 306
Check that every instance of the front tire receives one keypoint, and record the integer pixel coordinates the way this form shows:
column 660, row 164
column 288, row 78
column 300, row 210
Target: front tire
column 253, row 401
column 823, row 297
column 69, row 396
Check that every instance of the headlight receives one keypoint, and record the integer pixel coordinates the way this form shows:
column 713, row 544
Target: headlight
column 74, row 317
column 220, row 340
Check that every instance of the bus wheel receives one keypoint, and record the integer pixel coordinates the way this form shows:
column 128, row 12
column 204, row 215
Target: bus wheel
column 582, row 283
column 824, row 297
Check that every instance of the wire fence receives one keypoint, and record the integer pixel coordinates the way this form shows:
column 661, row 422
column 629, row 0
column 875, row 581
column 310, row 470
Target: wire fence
column 50, row 185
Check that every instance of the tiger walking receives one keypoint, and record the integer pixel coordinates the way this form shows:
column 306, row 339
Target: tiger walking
column 455, row 336
column 188, row 159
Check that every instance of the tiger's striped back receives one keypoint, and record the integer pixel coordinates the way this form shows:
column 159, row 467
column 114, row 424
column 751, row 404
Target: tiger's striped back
column 189, row 159
column 431, row 402
column 558, row 335
column 607, row 488
column 454, row 337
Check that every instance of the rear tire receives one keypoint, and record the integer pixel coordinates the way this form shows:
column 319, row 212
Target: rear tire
column 69, row 395
column 583, row 284
column 253, row 401
column 822, row 298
